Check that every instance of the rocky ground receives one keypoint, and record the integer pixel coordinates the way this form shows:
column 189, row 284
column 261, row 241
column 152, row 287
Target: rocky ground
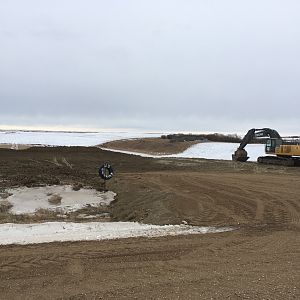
column 259, row 260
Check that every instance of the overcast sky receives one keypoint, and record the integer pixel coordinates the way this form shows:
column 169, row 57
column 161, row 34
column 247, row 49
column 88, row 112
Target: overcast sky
column 199, row 65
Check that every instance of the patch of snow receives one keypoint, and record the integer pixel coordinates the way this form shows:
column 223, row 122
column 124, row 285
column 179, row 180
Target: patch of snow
column 66, row 231
column 215, row 150
column 27, row 200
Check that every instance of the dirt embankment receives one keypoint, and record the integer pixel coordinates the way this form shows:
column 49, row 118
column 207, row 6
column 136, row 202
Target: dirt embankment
column 152, row 146
column 259, row 260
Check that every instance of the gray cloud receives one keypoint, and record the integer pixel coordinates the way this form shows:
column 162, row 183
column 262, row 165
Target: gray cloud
column 182, row 65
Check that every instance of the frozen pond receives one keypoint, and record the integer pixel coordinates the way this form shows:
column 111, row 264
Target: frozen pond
column 29, row 200
column 210, row 150
column 216, row 150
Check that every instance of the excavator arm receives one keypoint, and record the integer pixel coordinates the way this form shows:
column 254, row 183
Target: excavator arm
column 241, row 154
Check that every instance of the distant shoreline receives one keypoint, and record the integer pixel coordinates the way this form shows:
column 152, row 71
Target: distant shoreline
column 111, row 130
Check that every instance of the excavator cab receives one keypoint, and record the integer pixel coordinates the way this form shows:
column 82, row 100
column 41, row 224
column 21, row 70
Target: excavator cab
column 272, row 144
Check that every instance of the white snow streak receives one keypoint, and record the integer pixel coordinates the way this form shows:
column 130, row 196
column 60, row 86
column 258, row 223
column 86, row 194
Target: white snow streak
column 66, row 231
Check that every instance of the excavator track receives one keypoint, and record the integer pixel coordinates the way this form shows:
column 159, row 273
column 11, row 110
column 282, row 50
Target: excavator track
column 279, row 161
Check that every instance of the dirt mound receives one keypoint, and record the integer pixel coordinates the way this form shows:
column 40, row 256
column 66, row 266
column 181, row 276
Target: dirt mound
column 152, row 146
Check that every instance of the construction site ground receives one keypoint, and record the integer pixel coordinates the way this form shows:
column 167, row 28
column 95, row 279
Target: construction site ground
column 260, row 259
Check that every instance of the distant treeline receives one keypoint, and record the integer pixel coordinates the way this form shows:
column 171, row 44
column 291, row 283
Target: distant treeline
column 212, row 137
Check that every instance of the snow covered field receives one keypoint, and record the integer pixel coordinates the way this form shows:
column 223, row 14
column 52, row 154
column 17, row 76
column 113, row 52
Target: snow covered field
column 66, row 231
column 67, row 138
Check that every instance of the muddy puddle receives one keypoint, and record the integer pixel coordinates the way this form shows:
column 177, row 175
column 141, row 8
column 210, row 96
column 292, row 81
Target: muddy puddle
column 60, row 198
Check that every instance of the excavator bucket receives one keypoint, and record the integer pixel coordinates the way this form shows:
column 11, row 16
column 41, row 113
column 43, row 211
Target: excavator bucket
column 240, row 155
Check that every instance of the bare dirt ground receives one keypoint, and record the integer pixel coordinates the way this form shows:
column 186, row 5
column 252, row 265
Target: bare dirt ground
column 259, row 260
column 153, row 146
column 15, row 146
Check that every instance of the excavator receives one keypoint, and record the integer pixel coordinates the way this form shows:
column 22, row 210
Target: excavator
column 283, row 151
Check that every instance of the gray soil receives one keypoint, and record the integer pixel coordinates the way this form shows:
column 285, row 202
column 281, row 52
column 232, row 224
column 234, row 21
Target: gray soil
column 260, row 260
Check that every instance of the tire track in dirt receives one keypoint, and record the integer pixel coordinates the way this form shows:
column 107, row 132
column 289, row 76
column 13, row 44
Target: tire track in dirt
column 205, row 264
column 207, row 208
column 186, row 194
column 227, row 199
column 22, row 263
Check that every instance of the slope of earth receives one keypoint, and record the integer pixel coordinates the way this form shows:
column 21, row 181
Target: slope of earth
column 152, row 146
column 261, row 259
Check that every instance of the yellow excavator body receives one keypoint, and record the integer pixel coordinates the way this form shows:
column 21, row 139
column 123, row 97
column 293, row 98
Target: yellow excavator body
column 288, row 150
